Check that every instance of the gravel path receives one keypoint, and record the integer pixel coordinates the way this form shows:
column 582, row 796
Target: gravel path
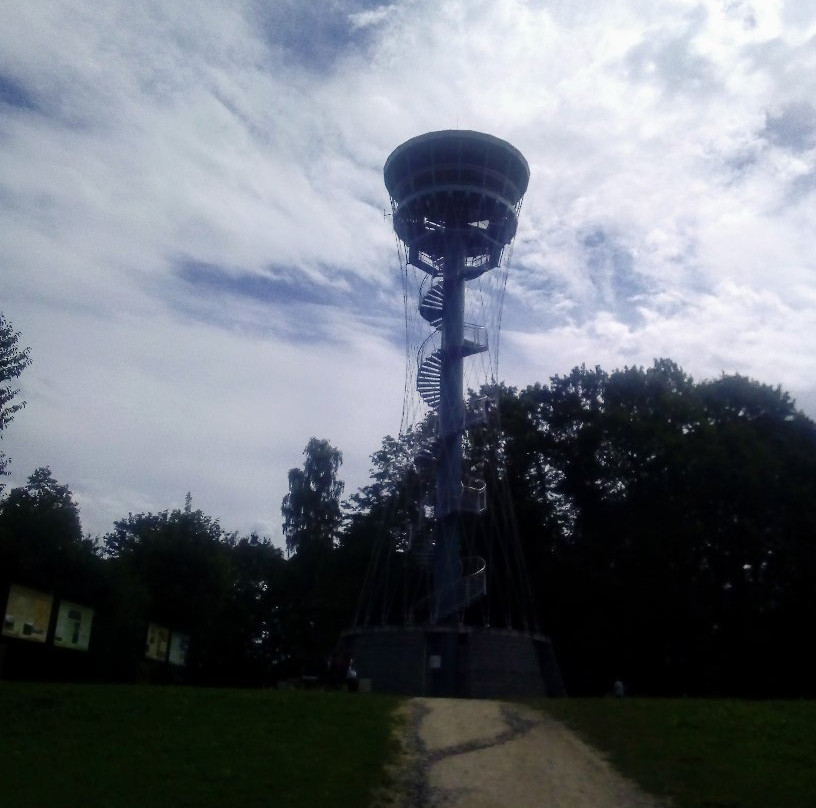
column 480, row 754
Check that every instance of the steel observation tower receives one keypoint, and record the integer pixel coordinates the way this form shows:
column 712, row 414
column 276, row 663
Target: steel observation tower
column 455, row 200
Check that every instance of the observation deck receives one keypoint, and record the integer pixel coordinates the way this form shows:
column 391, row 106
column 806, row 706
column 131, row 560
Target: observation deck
column 468, row 182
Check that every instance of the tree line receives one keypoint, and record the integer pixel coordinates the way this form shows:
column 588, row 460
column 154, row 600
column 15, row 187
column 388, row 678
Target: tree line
column 665, row 527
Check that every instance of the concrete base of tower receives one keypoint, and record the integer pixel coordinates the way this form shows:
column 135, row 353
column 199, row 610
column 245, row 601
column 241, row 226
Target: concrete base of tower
column 458, row 661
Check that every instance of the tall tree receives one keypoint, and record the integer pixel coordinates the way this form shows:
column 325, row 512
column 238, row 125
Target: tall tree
column 254, row 647
column 174, row 565
column 311, row 523
column 13, row 361
column 41, row 538
column 686, row 521
column 311, row 509
column 179, row 555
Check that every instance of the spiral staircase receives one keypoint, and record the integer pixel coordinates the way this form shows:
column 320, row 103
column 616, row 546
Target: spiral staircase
column 471, row 584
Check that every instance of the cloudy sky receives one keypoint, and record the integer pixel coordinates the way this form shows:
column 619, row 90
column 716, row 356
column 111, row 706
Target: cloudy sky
column 192, row 238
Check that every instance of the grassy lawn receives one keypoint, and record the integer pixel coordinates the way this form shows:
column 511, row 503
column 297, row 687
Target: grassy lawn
column 66, row 746
column 705, row 753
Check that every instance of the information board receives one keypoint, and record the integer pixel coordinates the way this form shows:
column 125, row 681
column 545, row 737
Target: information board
column 73, row 626
column 158, row 639
column 179, row 643
column 28, row 613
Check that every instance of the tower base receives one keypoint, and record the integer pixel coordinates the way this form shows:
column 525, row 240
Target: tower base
column 454, row 661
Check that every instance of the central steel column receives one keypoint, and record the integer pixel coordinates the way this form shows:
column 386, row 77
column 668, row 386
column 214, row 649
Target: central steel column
column 447, row 563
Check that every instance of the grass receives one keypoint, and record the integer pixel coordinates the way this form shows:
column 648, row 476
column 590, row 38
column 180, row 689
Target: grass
column 89, row 746
column 705, row 753
column 83, row 746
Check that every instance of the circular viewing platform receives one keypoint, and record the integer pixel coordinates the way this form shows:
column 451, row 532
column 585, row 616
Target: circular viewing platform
column 456, row 180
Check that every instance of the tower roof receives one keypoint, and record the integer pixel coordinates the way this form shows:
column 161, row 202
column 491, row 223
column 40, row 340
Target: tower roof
column 456, row 178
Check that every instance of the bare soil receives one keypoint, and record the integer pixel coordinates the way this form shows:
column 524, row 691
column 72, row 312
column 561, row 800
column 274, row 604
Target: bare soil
column 491, row 754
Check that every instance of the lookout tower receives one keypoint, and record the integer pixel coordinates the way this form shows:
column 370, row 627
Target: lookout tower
column 455, row 199
column 455, row 202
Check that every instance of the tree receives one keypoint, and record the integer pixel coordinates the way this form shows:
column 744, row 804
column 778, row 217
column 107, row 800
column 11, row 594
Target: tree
column 381, row 525
column 181, row 559
column 13, row 361
column 41, row 541
column 254, row 649
column 311, row 523
column 311, row 509
column 685, row 550
column 44, row 507
column 667, row 526
column 173, row 569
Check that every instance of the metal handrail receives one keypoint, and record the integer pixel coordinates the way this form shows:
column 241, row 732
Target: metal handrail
column 433, row 342
column 474, row 497
column 475, row 334
column 474, row 584
column 465, row 590
column 426, row 262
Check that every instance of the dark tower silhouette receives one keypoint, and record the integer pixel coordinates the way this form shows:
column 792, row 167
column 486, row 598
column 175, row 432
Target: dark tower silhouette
column 455, row 201
column 455, row 198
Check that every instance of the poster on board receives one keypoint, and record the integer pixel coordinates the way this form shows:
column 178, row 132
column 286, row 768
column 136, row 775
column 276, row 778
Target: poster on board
column 158, row 638
column 28, row 613
column 179, row 643
column 73, row 626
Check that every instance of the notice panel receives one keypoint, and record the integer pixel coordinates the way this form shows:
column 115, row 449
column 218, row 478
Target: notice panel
column 73, row 626
column 28, row 613
column 179, row 643
column 158, row 638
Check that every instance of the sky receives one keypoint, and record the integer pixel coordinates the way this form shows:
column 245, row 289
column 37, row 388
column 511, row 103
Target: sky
column 193, row 239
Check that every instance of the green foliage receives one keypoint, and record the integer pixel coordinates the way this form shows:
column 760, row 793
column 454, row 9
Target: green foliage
column 41, row 540
column 313, row 611
column 683, row 518
column 311, row 509
column 180, row 556
column 702, row 753
column 254, row 645
column 182, row 565
column 45, row 506
column 123, row 746
column 667, row 527
column 13, row 361
column 179, row 569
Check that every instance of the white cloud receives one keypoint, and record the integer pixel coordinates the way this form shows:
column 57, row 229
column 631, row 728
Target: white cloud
column 668, row 214
column 364, row 19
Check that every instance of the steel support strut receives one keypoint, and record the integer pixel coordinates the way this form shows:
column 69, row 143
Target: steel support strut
column 447, row 561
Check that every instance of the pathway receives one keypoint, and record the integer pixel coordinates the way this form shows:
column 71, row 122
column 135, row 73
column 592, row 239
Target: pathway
column 490, row 754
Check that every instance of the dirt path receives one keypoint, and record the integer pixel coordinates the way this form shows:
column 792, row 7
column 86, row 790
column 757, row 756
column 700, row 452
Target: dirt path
column 492, row 754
